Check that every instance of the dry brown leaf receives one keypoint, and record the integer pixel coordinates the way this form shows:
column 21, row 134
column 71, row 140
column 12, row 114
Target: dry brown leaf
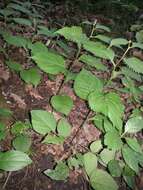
column 20, row 102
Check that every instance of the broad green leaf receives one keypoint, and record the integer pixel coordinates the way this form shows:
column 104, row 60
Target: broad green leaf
column 134, row 125
column 17, row 41
column 106, row 155
column 114, row 168
column 127, row 72
column 90, row 162
column 70, row 76
column 13, row 65
column 103, row 38
column 101, row 180
column 19, row 8
column 61, row 172
column 50, row 62
column 139, row 36
column 43, row 122
column 108, row 104
column 130, row 181
column 135, row 64
column 99, row 50
column 42, row 30
column 73, row 33
column 2, row 126
column 98, row 121
column 23, row 21
column 22, row 143
column 133, row 143
column 113, row 140
column 83, row 87
column 62, row 103
column 103, row 27
column 130, row 157
column 96, row 146
column 5, row 112
column 13, row 160
column 119, row 41
column 63, row 128
column 2, row 135
column 52, row 139
column 6, row 12
column 108, row 126
column 38, row 47
column 73, row 162
column 137, row 45
column 31, row 76
column 93, row 62
column 18, row 128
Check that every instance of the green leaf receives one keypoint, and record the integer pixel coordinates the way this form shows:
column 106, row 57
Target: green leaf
column 23, row 21
column 62, row 103
column 99, row 50
column 38, row 47
column 137, row 45
column 113, row 140
column 106, row 155
column 134, row 125
column 130, row 157
column 139, row 36
column 118, row 41
column 135, row 64
column 114, row 168
column 17, row 41
column 96, row 146
column 31, row 76
column 51, row 139
column 2, row 135
column 73, row 33
column 73, row 162
column 61, row 172
column 13, row 65
column 90, row 162
column 82, row 86
column 19, row 8
column 103, row 27
column 2, row 126
column 18, row 128
column 127, row 72
column 103, row 38
column 42, row 30
column 133, row 143
column 43, row 122
column 98, row 121
column 93, row 62
column 22, row 143
column 5, row 112
column 13, row 160
column 108, row 104
column 63, row 128
column 130, row 181
column 50, row 62
column 101, row 180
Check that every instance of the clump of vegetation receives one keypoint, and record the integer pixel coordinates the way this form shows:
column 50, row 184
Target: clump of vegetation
column 118, row 153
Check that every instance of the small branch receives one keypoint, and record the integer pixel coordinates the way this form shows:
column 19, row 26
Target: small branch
column 8, row 176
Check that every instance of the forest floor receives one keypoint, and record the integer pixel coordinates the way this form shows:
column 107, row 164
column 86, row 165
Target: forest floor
column 22, row 98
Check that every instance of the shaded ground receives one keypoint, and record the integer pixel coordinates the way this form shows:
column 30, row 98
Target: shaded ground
column 22, row 98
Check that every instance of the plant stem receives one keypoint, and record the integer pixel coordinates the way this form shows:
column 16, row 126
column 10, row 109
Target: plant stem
column 93, row 29
column 123, row 56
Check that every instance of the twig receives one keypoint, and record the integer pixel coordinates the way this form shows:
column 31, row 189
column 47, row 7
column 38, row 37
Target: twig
column 8, row 176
